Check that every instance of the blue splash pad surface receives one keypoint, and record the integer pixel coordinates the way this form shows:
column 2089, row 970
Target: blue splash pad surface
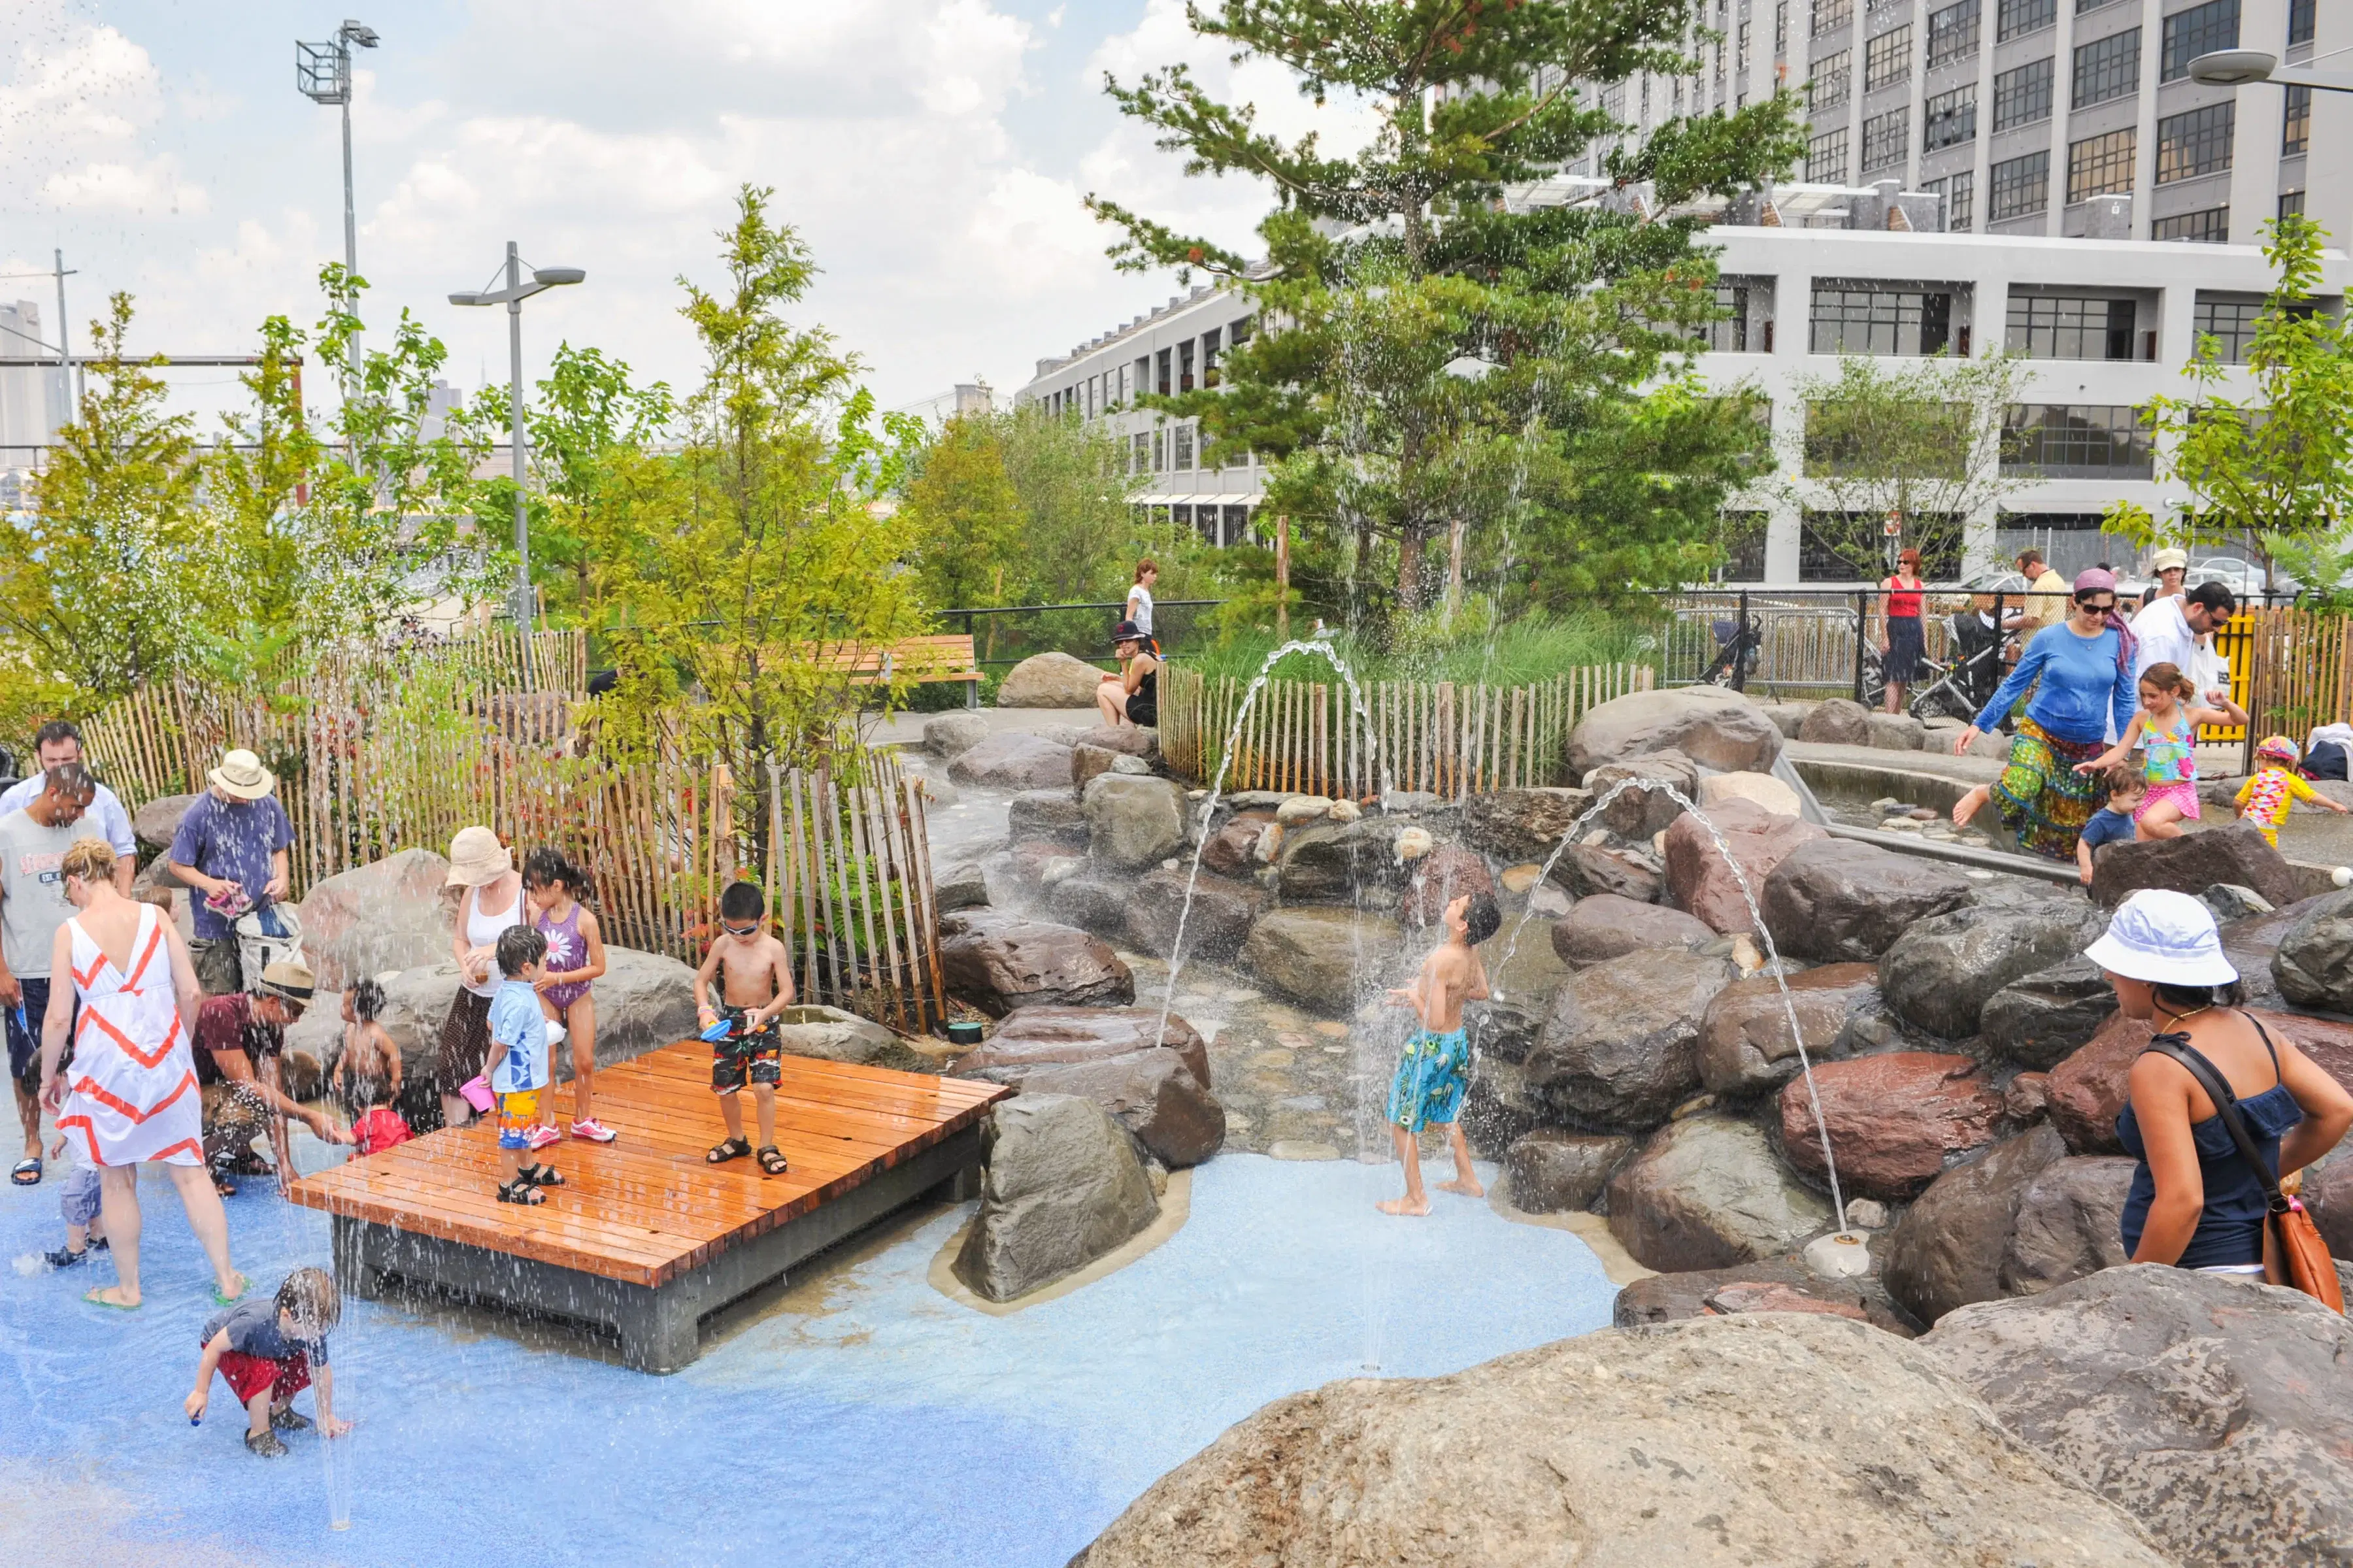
column 890, row 1426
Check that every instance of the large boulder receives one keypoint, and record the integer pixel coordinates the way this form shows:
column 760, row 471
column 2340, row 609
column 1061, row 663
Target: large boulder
column 644, row 1001
column 2194, row 862
column 1895, row 1121
column 2039, row 1021
column 1606, row 926
column 1342, row 863
column 1552, row 1171
column 1643, row 807
column 1151, row 1092
column 1713, row 726
column 1770, row 1285
column 157, row 821
column 2313, row 965
column 1757, row 789
column 1703, row 883
column 2216, row 1411
column 1836, row 722
column 1590, row 869
column 1939, row 973
column 1090, row 899
column 829, row 1034
column 1520, row 980
column 1090, row 763
column 1046, row 815
column 1240, row 845
column 1218, row 925
column 2093, row 1083
column 1133, row 821
column 1620, row 1047
column 1706, row 1193
column 1947, row 1250
column 2068, row 1224
column 1322, row 957
column 1896, row 732
column 960, row 885
column 1035, row 1036
column 1063, row 1187
column 1049, row 680
column 1753, row 1439
column 1127, row 740
column 2328, row 1195
column 1440, row 877
column 388, row 915
column 1520, row 825
column 1013, row 760
column 1841, row 902
column 1745, row 1044
column 999, row 961
column 951, row 735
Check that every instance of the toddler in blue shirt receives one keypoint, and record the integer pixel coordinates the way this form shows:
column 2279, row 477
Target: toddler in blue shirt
column 2126, row 786
column 518, row 1070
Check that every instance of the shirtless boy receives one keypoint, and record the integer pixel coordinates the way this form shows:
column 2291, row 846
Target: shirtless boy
column 757, row 985
column 1432, row 1074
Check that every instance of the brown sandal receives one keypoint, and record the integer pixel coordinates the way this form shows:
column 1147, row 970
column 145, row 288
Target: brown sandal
column 772, row 1162
column 733, row 1149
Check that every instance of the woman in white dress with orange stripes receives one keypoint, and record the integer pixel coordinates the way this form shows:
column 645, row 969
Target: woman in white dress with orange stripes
column 128, row 1097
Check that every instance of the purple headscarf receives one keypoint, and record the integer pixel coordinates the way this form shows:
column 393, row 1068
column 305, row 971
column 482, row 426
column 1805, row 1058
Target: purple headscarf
column 2092, row 580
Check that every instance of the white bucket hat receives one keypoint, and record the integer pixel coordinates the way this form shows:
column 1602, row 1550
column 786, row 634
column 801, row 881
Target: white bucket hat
column 241, row 777
column 477, row 857
column 2166, row 937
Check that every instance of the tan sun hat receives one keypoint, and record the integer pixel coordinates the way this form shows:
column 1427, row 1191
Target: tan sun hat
column 241, row 777
column 477, row 857
column 2171, row 561
column 289, row 979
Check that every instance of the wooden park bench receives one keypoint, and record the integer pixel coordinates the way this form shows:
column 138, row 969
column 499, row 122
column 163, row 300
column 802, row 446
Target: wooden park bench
column 947, row 656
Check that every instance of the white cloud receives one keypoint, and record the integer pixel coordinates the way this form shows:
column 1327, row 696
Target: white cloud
column 78, row 102
column 148, row 187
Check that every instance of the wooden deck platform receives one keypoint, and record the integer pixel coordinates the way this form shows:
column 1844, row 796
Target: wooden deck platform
column 645, row 1237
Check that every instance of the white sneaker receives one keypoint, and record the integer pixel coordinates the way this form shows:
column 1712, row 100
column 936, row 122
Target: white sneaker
column 593, row 1131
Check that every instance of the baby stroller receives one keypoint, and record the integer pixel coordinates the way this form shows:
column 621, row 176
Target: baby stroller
column 1961, row 689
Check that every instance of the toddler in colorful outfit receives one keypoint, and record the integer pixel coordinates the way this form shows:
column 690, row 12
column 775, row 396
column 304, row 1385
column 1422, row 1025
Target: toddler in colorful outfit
column 2166, row 732
column 518, row 1070
column 1436, row 1067
column 2267, row 798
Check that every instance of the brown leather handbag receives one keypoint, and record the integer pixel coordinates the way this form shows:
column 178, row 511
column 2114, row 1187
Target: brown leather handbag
column 2294, row 1254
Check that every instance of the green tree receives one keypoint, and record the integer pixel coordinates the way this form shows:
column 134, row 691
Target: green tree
column 2274, row 469
column 964, row 518
column 1452, row 364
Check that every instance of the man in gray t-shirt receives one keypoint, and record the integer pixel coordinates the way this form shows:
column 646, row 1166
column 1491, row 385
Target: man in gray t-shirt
column 32, row 907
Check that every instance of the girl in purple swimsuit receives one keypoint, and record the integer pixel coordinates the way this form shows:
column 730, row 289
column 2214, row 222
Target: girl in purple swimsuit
column 575, row 956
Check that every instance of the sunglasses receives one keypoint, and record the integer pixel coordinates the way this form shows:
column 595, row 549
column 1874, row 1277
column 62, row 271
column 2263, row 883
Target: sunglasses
column 2106, row 610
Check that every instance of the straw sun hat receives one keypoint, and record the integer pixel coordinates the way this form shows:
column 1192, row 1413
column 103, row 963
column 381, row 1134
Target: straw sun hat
column 477, row 857
column 241, row 777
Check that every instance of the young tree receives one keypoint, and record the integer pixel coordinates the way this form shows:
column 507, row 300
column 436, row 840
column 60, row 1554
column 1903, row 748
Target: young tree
column 964, row 518
column 1920, row 444
column 2275, row 467
column 1450, row 365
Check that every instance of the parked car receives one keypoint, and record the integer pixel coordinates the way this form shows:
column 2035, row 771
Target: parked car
column 2243, row 578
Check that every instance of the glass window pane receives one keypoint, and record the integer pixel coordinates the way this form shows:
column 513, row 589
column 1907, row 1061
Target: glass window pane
column 1953, row 33
column 2021, row 97
column 2107, row 68
column 2200, row 30
column 2021, row 187
column 2197, row 142
column 2101, row 164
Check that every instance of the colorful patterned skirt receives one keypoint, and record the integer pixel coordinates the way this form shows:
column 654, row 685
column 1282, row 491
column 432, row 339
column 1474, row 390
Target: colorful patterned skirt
column 2041, row 797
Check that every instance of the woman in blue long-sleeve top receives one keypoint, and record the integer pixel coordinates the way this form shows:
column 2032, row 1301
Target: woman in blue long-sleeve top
column 2081, row 673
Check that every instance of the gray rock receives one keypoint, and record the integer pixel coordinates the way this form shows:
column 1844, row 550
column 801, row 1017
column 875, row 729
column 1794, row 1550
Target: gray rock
column 951, row 735
column 1234, row 849
column 1035, row 1036
column 388, row 915
column 1714, row 727
column 999, row 961
column 155, row 823
column 1091, row 901
column 1063, row 1186
column 2329, row 1197
column 1589, row 869
column 1323, row 957
column 1520, row 825
column 2067, row 1223
column 1013, row 760
column 2216, row 1411
column 1837, row 722
column 1222, row 912
column 1053, row 816
column 1640, row 810
column 1551, row 1171
column 1134, row 822
column 1838, row 901
column 2314, row 963
column 2230, row 903
column 1620, row 1047
column 1706, row 1193
column 1505, row 1026
column 1940, row 973
column 1771, row 1285
column 1745, row 1044
column 1127, row 740
column 1895, row 732
column 1759, row 1438
column 832, row 1035
column 2192, row 863
column 1089, row 762
column 1604, row 926
column 2039, row 1021
column 1049, row 680
column 1342, row 863
column 1947, row 1250
column 961, row 885
column 1787, row 716
column 1173, row 1116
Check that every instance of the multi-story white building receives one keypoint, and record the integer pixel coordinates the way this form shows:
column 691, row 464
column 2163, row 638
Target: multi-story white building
column 35, row 399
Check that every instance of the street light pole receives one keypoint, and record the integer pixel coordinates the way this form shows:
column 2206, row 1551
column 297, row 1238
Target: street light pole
column 323, row 74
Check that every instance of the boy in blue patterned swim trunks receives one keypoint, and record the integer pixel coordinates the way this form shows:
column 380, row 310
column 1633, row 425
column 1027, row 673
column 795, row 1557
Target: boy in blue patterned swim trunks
column 1436, row 1067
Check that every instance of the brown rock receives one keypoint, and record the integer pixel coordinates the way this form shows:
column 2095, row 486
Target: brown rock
column 1606, row 926
column 2237, row 855
column 1589, row 869
column 1437, row 878
column 2090, row 1086
column 1947, row 1250
column 1150, row 1093
column 1839, row 721
column 1128, row 740
column 1552, row 1170
column 1086, row 762
column 999, row 962
column 2066, row 1224
column 1773, row 1285
column 1521, row 824
column 1222, row 912
column 1699, row 881
column 1838, row 901
column 2328, row 1195
column 1639, row 811
column 1232, row 850
column 1763, row 1295
column 1744, row 1045
column 2027, row 1096
column 1895, row 1121
column 1037, row 1036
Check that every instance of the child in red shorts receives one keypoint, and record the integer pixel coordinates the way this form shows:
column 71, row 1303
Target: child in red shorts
column 268, row 1352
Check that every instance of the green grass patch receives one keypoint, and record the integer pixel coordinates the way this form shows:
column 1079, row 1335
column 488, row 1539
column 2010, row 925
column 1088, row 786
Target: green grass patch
column 1518, row 653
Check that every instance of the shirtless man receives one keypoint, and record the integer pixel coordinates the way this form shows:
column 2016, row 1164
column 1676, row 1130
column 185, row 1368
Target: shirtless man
column 758, row 985
column 1432, row 1074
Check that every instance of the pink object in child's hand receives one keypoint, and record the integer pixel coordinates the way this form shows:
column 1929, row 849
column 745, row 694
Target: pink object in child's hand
column 477, row 1093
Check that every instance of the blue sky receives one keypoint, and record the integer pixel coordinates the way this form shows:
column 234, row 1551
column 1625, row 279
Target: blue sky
column 932, row 152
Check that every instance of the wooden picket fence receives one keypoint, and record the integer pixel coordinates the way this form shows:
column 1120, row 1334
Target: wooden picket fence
column 2290, row 668
column 1434, row 736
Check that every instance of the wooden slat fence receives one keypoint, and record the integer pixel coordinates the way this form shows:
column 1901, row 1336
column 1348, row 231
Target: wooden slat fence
column 1438, row 737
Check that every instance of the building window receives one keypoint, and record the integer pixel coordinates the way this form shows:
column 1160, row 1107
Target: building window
column 2230, row 323
column 1210, row 357
column 2076, row 441
column 1951, row 119
column 1826, row 158
column 2299, row 20
column 2069, row 326
column 1831, row 15
column 1886, row 139
column 2021, row 187
column 2197, row 142
column 2107, row 68
column 2084, row 5
column 1953, row 33
column 1238, row 335
column 2291, row 204
column 1139, row 457
column 2101, row 164
column 2212, row 226
column 2295, row 134
column 1160, row 450
column 1959, row 192
column 2021, row 97
column 1832, row 82
column 1781, row 28
column 1742, row 540
column 1861, row 319
column 1728, row 334
column 2198, row 31
column 2019, row 17
column 1887, row 58
column 1185, row 365
column 1181, row 445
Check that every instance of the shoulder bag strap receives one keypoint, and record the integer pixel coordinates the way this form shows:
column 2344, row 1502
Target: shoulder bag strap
column 2176, row 1048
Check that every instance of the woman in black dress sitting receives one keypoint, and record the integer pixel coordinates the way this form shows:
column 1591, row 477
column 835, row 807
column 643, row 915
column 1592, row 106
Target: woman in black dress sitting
column 1133, row 696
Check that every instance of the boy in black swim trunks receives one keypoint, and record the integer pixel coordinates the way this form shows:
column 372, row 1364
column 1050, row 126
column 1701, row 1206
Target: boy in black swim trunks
column 758, row 985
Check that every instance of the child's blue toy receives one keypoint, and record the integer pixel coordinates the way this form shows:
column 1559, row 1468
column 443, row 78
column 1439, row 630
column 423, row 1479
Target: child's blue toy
column 719, row 1031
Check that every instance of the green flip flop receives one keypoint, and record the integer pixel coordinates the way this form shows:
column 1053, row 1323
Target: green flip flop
column 243, row 1286
column 95, row 1299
